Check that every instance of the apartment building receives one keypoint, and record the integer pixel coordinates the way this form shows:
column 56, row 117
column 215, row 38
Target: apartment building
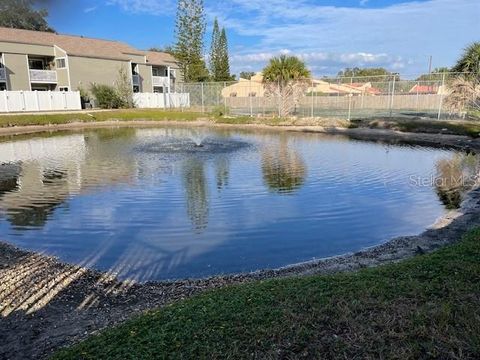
column 34, row 60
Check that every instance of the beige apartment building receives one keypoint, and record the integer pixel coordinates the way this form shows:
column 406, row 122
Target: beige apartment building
column 34, row 60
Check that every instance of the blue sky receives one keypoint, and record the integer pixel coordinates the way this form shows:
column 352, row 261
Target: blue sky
column 329, row 35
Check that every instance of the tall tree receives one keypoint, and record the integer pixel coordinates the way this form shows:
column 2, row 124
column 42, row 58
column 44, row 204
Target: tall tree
column 357, row 74
column 436, row 74
column 215, row 51
column 286, row 79
column 223, row 71
column 247, row 75
column 21, row 14
column 190, row 32
column 469, row 62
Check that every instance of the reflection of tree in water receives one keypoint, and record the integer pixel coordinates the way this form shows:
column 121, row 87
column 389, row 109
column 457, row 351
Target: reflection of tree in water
column 196, row 192
column 39, row 211
column 34, row 216
column 283, row 168
column 9, row 174
column 222, row 171
column 456, row 176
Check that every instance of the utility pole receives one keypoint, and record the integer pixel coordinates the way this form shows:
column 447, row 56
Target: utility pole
column 430, row 64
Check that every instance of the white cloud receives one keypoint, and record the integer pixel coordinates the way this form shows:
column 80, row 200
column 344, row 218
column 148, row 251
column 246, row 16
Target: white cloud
column 409, row 30
column 154, row 7
column 320, row 63
column 401, row 36
column 90, row 9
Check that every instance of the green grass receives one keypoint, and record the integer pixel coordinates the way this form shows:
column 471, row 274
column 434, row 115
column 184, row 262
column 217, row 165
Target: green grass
column 121, row 115
column 469, row 128
column 461, row 128
column 425, row 307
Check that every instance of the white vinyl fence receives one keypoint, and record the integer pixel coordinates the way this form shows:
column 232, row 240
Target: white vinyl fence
column 21, row 101
column 163, row 101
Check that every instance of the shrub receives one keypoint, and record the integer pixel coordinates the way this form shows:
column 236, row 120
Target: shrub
column 220, row 111
column 107, row 97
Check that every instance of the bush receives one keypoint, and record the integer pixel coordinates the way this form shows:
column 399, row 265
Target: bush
column 107, row 97
column 220, row 111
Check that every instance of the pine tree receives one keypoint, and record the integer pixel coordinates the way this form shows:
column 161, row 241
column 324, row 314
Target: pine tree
column 223, row 73
column 214, row 51
column 189, row 32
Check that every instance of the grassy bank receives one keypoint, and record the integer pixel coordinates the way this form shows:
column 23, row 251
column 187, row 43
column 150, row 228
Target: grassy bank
column 425, row 307
column 125, row 115
column 468, row 127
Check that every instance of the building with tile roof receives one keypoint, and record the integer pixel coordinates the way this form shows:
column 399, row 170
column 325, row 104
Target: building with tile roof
column 35, row 60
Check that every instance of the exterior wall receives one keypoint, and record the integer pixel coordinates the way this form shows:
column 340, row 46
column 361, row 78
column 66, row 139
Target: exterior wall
column 17, row 71
column 63, row 76
column 145, row 72
column 15, row 48
column 137, row 59
column 85, row 71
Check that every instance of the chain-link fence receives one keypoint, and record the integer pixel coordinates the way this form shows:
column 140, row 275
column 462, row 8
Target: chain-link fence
column 339, row 97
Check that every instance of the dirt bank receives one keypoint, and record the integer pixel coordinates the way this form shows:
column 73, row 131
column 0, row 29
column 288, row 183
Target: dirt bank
column 46, row 304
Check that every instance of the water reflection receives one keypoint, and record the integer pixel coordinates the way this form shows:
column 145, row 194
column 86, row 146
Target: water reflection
column 455, row 176
column 196, row 192
column 147, row 204
column 222, row 172
column 9, row 174
column 283, row 168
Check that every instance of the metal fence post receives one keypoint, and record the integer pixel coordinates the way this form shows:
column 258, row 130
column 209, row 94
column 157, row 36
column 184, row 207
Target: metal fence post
column 250, row 97
column 203, row 100
column 312, row 94
column 418, row 96
column 224, row 98
column 393, row 94
column 350, row 97
column 442, row 89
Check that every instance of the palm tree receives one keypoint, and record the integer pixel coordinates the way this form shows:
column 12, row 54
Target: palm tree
column 285, row 77
column 469, row 62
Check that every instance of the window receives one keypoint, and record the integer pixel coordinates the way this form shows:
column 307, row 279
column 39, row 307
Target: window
column 61, row 63
column 36, row 64
column 158, row 89
column 252, row 94
column 136, row 89
column 3, row 86
column 156, row 71
column 63, row 88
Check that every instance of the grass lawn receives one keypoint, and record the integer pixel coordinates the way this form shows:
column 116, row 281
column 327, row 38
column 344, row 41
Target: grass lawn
column 425, row 307
column 133, row 114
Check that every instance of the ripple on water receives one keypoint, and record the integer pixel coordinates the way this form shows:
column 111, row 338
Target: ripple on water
column 150, row 205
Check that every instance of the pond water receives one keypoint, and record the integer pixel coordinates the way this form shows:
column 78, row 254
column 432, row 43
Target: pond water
column 149, row 204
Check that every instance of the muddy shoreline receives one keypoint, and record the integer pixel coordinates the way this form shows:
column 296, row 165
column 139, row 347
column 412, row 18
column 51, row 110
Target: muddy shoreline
column 46, row 304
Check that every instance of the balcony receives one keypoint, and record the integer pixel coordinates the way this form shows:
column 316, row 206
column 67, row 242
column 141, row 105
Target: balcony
column 160, row 81
column 136, row 80
column 3, row 74
column 43, row 76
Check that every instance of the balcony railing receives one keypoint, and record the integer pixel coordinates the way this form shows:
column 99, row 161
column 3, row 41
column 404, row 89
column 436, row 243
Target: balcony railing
column 43, row 76
column 160, row 81
column 136, row 80
column 3, row 74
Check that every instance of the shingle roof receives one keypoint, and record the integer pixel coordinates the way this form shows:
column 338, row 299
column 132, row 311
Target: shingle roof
column 73, row 45
column 160, row 58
